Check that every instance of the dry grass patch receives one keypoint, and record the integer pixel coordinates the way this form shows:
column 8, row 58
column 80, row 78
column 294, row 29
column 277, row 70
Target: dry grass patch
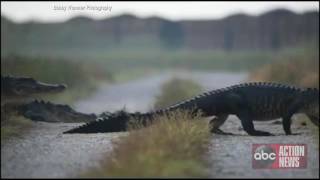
column 176, row 90
column 15, row 127
column 173, row 146
column 297, row 69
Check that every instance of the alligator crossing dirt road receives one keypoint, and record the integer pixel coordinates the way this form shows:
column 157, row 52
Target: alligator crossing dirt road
column 46, row 152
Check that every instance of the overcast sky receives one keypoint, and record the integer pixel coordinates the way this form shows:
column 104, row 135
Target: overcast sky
column 46, row 12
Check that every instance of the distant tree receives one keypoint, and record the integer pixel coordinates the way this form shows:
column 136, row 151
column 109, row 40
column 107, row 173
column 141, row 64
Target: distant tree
column 171, row 34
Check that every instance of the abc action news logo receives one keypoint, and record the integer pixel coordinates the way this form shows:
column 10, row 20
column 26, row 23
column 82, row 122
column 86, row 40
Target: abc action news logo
column 279, row 156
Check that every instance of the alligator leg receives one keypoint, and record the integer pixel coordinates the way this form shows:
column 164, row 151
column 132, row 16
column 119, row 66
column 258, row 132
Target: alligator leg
column 286, row 119
column 248, row 126
column 239, row 105
column 216, row 122
column 286, row 123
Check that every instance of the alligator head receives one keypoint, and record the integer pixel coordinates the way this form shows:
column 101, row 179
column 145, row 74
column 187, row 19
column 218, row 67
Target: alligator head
column 49, row 112
column 25, row 86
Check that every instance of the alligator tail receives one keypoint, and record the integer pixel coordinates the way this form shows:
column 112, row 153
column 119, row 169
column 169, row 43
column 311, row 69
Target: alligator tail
column 114, row 122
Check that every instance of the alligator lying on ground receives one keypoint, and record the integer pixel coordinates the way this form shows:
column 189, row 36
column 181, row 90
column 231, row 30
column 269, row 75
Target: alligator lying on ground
column 13, row 88
column 17, row 90
column 50, row 112
column 248, row 101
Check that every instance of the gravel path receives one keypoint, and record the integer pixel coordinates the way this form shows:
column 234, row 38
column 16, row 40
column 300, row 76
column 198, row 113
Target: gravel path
column 46, row 153
column 230, row 156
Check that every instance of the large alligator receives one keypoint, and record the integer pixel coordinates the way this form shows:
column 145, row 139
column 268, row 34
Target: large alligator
column 13, row 88
column 248, row 101
column 50, row 112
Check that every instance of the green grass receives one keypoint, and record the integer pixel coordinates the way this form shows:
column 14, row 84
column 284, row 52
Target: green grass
column 121, row 60
column 115, row 60
column 133, row 74
column 176, row 90
column 173, row 146
column 46, row 70
column 12, row 124
column 16, row 126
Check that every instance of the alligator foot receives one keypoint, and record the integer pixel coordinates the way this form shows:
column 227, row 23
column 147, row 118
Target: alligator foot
column 294, row 134
column 260, row 133
column 219, row 131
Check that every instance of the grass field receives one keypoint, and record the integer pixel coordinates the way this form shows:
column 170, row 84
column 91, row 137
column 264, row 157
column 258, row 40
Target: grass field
column 13, row 125
column 176, row 90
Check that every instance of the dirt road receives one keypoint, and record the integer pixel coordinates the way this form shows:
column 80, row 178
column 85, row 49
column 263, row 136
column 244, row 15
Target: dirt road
column 46, row 153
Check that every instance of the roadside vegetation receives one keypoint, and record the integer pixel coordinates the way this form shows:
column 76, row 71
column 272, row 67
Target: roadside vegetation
column 176, row 90
column 15, row 126
column 120, row 60
column 172, row 146
column 299, row 68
